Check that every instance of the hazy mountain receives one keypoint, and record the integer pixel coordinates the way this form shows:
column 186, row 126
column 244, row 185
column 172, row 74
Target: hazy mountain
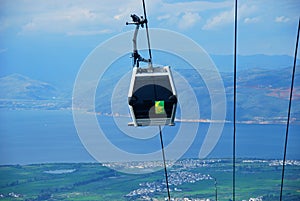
column 21, row 92
column 262, row 93
column 225, row 62
column 17, row 86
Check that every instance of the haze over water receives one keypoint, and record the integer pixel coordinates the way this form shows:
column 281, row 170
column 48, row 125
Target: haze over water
column 37, row 136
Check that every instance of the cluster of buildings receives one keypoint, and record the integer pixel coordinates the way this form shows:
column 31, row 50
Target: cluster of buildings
column 11, row 195
column 176, row 199
column 260, row 198
column 137, row 165
column 288, row 162
column 181, row 177
column 183, row 164
column 274, row 162
column 175, row 179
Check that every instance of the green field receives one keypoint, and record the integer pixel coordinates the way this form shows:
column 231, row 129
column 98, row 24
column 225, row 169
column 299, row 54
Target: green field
column 91, row 181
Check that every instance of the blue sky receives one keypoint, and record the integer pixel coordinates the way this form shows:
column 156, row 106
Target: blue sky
column 51, row 37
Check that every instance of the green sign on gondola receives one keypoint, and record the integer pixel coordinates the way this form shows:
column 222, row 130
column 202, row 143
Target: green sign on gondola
column 159, row 107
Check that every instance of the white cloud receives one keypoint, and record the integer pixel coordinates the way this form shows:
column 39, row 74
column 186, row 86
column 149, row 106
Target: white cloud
column 64, row 17
column 164, row 17
column 185, row 15
column 219, row 20
column 249, row 20
column 80, row 16
column 188, row 20
column 193, row 6
column 227, row 17
column 73, row 19
column 89, row 33
column 282, row 19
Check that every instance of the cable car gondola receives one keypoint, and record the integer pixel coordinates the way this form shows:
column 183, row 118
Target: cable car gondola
column 152, row 95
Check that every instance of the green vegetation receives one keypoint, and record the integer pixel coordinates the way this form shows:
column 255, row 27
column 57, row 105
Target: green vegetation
column 91, row 181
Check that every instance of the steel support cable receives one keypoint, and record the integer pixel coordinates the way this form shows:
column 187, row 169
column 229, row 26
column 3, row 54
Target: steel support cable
column 289, row 112
column 160, row 131
column 147, row 32
column 164, row 159
column 234, row 102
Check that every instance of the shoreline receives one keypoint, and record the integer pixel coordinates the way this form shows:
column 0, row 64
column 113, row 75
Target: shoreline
column 256, row 121
column 120, row 163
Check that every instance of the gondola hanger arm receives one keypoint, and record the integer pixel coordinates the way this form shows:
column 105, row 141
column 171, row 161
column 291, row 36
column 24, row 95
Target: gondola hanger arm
column 138, row 21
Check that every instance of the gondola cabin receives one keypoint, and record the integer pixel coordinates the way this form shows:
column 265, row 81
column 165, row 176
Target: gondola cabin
column 152, row 96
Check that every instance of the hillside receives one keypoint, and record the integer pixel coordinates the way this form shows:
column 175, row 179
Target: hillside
column 262, row 94
column 21, row 92
column 270, row 62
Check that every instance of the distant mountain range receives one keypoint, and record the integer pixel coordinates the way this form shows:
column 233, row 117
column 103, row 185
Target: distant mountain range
column 18, row 86
column 21, row 92
column 225, row 62
column 262, row 94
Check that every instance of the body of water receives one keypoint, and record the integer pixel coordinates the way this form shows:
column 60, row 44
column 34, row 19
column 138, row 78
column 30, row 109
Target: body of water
column 37, row 136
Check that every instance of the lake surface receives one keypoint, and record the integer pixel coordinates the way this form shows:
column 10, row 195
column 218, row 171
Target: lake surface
column 37, row 136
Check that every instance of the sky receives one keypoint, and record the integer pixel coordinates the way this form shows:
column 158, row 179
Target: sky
column 44, row 39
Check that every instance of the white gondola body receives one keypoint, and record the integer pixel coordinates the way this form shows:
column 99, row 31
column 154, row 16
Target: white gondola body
column 152, row 97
